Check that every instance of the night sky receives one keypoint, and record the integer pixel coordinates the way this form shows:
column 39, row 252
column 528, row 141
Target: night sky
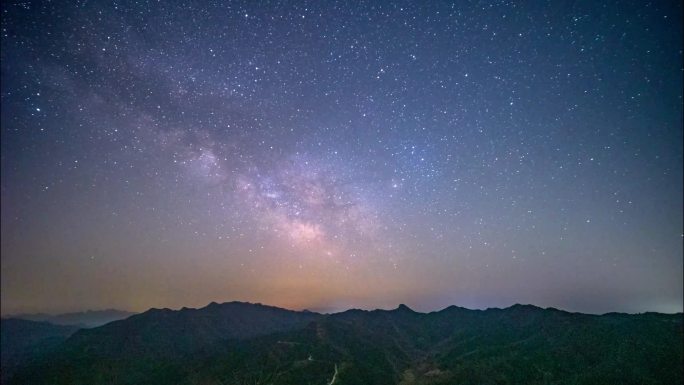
column 328, row 155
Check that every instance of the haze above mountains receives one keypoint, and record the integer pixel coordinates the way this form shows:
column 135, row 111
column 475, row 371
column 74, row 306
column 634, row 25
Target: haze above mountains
column 88, row 318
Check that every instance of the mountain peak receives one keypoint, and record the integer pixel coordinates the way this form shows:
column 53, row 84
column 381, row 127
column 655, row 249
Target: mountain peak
column 526, row 307
column 404, row 308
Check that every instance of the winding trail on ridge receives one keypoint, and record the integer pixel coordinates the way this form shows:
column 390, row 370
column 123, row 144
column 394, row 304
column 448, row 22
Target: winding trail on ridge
column 334, row 377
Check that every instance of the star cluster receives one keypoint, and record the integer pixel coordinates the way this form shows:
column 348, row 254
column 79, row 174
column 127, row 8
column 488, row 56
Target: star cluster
column 335, row 154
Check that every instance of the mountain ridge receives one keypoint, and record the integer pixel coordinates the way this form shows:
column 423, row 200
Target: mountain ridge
column 239, row 342
column 23, row 340
column 87, row 318
column 214, row 303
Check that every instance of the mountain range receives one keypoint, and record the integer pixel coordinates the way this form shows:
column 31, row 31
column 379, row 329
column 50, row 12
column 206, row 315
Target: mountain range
column 89, row 318
column 242, row 343
column 22, row 341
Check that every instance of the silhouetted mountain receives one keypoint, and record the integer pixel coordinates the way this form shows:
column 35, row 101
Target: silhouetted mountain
column 167, row 332
column 239, row 343
column 22, row 341
column 89, row 318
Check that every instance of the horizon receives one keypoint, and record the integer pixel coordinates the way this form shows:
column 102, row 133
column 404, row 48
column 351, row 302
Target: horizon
column 325, row 156
column 329, row 311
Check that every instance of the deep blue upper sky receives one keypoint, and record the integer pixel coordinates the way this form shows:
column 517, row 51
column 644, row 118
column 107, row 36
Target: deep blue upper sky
column 334, row 154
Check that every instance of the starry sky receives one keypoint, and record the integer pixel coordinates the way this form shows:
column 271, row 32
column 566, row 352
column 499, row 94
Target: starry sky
column 330, row 154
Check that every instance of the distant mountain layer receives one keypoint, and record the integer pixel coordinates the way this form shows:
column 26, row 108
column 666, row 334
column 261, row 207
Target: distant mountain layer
column 239, row 343
column 22, row 341
column 90, row 318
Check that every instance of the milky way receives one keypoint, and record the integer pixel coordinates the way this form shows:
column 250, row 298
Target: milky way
column 327, row 155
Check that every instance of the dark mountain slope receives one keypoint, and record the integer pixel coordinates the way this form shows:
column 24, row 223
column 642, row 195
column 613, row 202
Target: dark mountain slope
column 159, row 342
column 536, row 346
column 167, row 332
column 252, row 344
column 22, row 341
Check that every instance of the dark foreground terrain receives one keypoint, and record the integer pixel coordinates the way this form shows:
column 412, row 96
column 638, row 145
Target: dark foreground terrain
column 240, row 343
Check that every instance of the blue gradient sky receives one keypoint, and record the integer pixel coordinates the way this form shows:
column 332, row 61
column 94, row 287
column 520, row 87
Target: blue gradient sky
column 327, row 155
